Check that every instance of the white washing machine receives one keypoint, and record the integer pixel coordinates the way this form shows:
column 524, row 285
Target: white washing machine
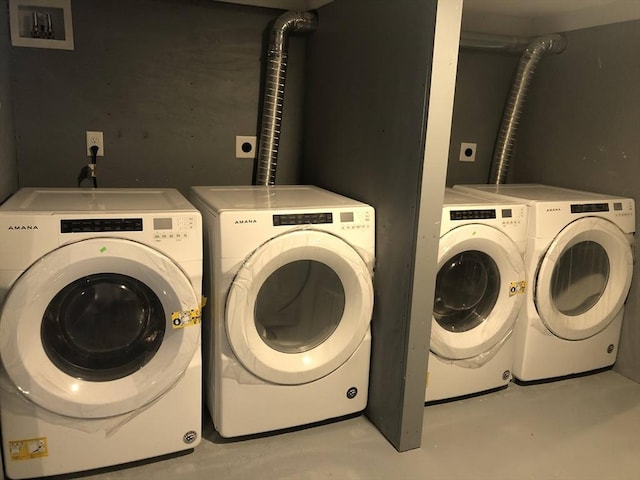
column 579, row 263
column 99, row 329
column 289, row 277
column 480, row 287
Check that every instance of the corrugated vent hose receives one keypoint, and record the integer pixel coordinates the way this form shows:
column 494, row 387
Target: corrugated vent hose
column 505, row 142
column 273, row 96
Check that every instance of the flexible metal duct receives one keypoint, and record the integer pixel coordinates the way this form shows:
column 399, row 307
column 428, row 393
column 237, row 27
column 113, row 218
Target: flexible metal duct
column 273, row 96
column 487, row 41
column 503, row 150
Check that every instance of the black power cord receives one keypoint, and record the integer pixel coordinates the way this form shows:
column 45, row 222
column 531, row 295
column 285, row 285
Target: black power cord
column 89, row 171
column 94, row 154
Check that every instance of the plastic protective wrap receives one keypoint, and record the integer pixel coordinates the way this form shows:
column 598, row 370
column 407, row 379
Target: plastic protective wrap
column 31, row 375
column 297, row 308
column 484, row 324
column 481, row 359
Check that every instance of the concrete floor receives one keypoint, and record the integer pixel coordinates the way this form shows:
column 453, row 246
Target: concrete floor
column 581, row 428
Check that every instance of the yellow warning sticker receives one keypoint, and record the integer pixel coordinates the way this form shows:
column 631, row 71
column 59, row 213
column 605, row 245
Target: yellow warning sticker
column 516, row 288
column 187, row 318
column 28, row 449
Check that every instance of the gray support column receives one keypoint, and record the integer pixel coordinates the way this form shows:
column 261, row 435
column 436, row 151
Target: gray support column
column 8, row 160
column 369, row 68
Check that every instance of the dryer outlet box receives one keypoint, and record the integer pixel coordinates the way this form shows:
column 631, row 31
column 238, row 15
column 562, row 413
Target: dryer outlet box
column 468, row 152
column 245, row 146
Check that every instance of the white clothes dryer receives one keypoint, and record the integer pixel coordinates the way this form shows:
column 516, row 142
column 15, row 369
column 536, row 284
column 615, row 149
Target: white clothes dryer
column 289, row 277
column 480, row 284
column 99, row 328
column 579, row 263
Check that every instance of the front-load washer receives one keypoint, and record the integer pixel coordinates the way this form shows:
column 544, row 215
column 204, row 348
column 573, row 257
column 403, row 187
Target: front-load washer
column 288, row 273
column 480, row 285
column 99, row 329
column 579, row 263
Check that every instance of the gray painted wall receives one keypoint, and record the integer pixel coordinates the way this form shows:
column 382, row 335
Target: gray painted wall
column 171, row 83
column 482, row 84
column 367, row 85
column 8, row 163
column 579, row 129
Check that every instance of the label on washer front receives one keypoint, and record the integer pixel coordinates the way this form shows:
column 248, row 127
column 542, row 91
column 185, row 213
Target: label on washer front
column 517, row 288
column 187, row 318
column 28, row 449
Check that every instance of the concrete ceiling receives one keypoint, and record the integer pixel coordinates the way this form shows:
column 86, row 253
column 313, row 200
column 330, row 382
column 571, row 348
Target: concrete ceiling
column 534, row 8
column 511, row 17
column 532, row 17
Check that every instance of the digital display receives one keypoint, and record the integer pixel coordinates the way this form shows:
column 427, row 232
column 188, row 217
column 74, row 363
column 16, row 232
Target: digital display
column 506, row 213
column 86, row 225
column 346, row 217
column 301, row 219
column 590, row 207
column 472, row 214
column 162, row 224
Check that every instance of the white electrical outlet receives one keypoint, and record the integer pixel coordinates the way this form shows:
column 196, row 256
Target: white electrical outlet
column 245, row 146
column 468, row 152
column 97, row 139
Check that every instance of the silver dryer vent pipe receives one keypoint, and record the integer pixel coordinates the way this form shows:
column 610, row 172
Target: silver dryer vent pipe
column 503, row 150
column 488, row 41
column 273, row 93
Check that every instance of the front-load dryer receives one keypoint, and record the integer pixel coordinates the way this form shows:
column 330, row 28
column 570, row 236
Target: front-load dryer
column 480, row 285
column 99, row 329
column 288, row 271
column 579, row 263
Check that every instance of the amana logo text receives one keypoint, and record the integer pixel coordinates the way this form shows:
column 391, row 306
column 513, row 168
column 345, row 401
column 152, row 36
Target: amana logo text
column 23, row 227
column 248, row 220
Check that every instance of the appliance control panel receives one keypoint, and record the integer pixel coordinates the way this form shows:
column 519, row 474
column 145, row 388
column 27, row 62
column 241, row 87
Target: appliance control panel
column 593, row 207
column 161, row 228
column 478, row 214
column 355, row 220
column 505, row 216
column 92, row 225
column 302, row 219
column 345, row 219
column 172, row 228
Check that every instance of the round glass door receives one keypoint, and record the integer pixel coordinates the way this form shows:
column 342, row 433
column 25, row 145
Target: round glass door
column 299, row 306
column 88, row 331
column 478, row 291
column 583, row 278
column 467, row 288
column 103, row 327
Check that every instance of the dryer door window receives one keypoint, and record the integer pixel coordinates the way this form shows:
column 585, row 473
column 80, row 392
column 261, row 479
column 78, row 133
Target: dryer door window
column 299, row 306
column 579, row 278
column 583, row 278
column 479, row 289
column 95, row 328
